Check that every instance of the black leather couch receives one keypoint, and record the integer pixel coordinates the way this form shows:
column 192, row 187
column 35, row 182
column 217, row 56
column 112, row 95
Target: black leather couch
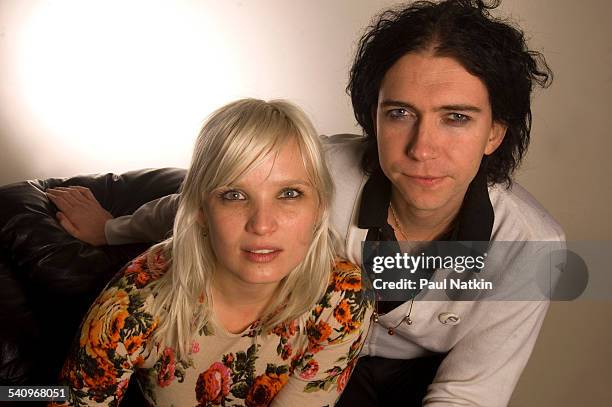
column 48, row 279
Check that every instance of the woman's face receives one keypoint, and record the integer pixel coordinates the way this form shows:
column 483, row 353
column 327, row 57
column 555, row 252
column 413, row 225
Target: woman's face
column 261, row 226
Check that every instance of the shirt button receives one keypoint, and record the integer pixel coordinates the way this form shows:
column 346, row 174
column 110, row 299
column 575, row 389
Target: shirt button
column 449, row 318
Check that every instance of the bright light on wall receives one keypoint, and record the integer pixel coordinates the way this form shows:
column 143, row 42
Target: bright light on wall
column 93, row 86
column 102, row 78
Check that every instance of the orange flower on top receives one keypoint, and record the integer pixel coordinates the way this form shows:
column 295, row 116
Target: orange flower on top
column 285, row 330
column 213, row 385
column 317, row 333
column 142, row 279
column 342, row 313
column 264, row 388
column 347, row 282
column 100, row 335
column 101, row 331
column 101, row 379
column 133, row 343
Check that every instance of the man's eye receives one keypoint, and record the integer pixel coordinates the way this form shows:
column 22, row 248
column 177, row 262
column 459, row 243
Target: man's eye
column 397, row 113
column 233, row 196
column 458, row 118
column 290, row 193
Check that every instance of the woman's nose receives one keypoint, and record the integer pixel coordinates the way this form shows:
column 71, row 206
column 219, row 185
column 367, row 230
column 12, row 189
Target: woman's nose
column 262, row 219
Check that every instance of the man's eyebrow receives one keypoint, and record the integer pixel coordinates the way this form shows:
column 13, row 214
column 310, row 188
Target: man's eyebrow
column 396, row 103
column 406, row 105
column 461, row 108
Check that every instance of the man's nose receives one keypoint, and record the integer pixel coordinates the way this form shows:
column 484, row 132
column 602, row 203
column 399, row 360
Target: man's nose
column 262, row 219
column 423, row 144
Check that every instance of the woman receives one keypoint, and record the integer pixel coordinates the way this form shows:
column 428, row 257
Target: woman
column 245, row 303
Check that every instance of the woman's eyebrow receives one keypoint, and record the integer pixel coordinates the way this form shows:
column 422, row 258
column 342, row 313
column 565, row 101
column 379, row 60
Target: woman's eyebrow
column 295, row 182
column 284, row 182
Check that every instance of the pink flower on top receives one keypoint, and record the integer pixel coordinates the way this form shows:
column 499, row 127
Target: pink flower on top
column 165, row 376
column 310, row 370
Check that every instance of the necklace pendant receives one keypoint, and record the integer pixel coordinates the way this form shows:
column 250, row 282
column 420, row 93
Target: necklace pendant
column 391, row 331
column 408, row 321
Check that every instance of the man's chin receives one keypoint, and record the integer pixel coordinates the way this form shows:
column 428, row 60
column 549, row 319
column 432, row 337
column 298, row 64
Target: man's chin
column 427, row 207
column 426, row 202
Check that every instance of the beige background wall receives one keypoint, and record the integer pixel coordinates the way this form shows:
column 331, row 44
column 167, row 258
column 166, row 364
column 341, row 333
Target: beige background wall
column 568, row 169
column 112, row 86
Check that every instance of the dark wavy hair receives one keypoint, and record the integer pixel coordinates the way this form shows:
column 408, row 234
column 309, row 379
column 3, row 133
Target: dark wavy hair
column 489, row 48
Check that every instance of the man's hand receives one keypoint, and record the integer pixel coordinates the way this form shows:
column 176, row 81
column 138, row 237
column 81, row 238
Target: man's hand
column 80, row 214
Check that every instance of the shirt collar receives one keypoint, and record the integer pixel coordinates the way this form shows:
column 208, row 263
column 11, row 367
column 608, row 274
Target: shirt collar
column 474, row 221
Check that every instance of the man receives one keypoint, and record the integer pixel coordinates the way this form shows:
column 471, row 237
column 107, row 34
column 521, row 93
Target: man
column 442, row 92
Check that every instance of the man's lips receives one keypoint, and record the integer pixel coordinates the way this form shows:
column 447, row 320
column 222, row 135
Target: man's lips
column 426, row 180
column 261, row 254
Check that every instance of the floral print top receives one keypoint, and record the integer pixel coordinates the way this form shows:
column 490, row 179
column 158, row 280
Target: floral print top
column 293, row 366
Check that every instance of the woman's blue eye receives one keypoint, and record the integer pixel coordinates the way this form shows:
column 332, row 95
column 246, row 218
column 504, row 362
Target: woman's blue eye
column 233, row 196
column 291, row 193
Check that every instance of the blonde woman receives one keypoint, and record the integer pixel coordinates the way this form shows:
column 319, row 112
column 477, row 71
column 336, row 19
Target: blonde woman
column 245, row 304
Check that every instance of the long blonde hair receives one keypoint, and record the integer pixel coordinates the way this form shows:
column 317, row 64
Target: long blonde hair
column 235, row 139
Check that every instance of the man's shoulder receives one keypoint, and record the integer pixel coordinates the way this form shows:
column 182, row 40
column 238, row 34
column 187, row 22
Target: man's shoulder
column 342, row 139
column 345, row 148
column 519, row 216
column 343, row 153
column 343, row 156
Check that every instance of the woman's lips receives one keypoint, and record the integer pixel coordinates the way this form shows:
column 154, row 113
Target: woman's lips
column 261, row 255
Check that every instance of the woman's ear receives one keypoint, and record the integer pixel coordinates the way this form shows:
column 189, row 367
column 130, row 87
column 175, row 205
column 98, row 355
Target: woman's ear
column 202, row 221
column 201, row 218
column 320, row 213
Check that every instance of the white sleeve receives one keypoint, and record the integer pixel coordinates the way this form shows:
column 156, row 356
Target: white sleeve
column 483, row 368
column 152, row 222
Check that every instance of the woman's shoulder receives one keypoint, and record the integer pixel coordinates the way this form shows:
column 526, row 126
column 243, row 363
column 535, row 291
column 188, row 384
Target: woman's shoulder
column 130, row 290
column 145, row 269
column 138, row 274
column 116, row 334
column 128, row 296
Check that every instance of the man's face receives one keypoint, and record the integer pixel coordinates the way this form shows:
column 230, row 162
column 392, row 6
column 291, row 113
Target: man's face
column 433, row 125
